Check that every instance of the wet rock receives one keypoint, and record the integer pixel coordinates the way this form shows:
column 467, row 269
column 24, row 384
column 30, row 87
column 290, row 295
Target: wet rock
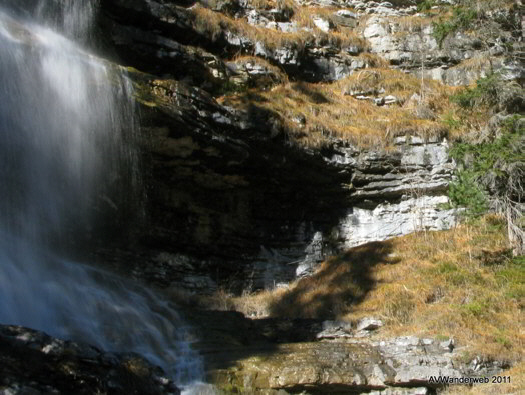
column 322, row 357
column 255, row 225
column 326, row 367
column 32, row 362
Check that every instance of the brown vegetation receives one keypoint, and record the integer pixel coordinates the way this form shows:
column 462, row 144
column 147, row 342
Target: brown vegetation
column 460, row 284
column 329, row 111
column 212, row 24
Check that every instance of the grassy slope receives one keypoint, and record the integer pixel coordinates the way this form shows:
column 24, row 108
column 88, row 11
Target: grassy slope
column 330, row 113
column 325, row 109
column 461, row 284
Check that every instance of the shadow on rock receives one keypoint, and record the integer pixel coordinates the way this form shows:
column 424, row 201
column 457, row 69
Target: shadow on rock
column 339, row 283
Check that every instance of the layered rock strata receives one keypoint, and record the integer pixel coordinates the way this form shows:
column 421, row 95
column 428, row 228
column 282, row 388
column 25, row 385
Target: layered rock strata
column 228, row 197
column 185, row 46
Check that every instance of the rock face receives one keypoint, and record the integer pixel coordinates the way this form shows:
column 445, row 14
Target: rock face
column 412, row 183
column 144, row 30
column 220, row 190
column 391, row 195
column 227, row 197
column 230, row 199
column 182, row 44
column 413, row 47
column 33, row 363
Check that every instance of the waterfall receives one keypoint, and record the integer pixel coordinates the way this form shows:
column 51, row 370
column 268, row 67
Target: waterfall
column 68, row 166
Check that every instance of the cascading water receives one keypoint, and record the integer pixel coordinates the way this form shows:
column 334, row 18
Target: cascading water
column 66, row 161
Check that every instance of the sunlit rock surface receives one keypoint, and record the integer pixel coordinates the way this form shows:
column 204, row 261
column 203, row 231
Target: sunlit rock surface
column 280, row 356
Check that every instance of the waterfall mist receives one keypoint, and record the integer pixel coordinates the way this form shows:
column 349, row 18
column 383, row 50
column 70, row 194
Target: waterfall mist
column 68, row 171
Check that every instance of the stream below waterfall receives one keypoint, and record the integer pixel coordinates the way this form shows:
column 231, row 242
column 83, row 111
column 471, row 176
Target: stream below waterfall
column 67, row 165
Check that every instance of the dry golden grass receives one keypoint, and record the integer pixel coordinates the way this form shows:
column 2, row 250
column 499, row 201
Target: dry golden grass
column 213, row 24
column 457, row 284
column 278, row 75
column 329, row 113
column 412, row 23
column 271, row 4
column 407, row 24
column 342, row 38
column 375, row 61
column 516, row 386
column 304, row 16
column 394, row 82
column 477, row 63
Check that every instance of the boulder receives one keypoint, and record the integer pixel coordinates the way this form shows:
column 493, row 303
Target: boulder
column 369, row 324
column 32, row 362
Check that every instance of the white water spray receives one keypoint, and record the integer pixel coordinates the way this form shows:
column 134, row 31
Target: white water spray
column 67, row 161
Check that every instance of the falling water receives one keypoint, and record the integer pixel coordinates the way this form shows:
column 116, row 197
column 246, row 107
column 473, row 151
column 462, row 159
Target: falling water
column 67, row 164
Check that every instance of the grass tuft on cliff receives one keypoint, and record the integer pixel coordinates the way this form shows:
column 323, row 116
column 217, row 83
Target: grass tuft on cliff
column 213, row 24
column 313, row 114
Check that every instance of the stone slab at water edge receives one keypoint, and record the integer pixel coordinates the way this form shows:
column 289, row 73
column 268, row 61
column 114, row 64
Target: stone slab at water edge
column 32, row 362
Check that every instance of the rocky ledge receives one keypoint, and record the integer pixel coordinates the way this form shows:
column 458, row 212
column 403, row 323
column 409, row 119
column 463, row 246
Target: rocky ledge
column 32, row 362
column 280, row 356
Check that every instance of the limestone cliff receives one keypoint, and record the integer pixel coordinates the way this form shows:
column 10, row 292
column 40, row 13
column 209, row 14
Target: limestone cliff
column 258, row 187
